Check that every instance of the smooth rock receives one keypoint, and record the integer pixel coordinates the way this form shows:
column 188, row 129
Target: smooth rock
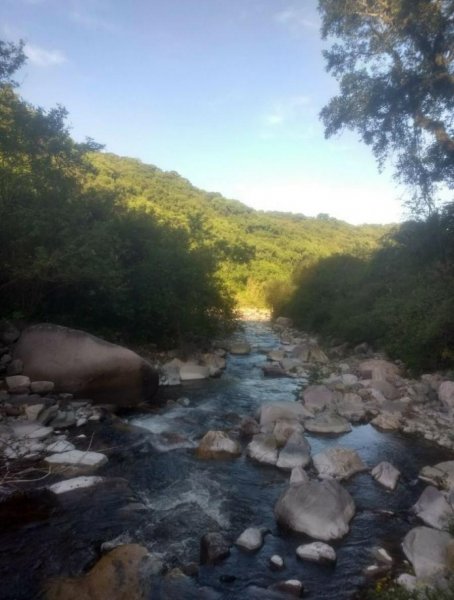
column 386, row 474
column 441, row 474
column 298, row 475
column 285, row 410
column 249, row 427
column 76, row 483
column 446, row 394
column 387, row 421
column 217, row 444
column 382, row 556
column 351, row 407
column 263, row 449
column 316, row 552
column 291, row 587
column 295, row 453
column 82, row 364
column 77, row 458
column 433, row 509
column 251, row 539
column 284, row 429
column 213, row 548
column 194, row 372
column 340, row 463
column 318, row 397
column 122, row 574
column 18, row 384
column 42, row 387
column 427, row 550
column 327, row 422
column 33, row 411
column 60, row 446
column 276, row 562
column 30, row 429
column 322, row 510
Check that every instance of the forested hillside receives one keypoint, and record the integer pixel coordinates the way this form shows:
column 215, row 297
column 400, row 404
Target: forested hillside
column 257, row 251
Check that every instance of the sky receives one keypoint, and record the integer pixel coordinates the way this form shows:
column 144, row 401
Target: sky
column 225, row 92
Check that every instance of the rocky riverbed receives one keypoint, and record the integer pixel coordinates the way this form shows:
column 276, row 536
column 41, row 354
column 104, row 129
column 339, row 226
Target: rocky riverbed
column 268, row 468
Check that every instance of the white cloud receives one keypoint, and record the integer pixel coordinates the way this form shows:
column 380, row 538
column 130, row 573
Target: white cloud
column 286, row 110
column 44, row 58
column 296, row 18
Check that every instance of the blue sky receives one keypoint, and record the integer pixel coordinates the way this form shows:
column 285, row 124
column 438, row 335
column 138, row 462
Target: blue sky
column 225, row 92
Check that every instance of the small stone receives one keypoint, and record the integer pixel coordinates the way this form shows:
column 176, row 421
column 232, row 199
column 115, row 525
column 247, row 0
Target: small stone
column 291, row 587
column 213, row 548
column 276, row 562
column 76, row 483
column 77, row 458
column 386, row 475
column 316, row 552
column 251, row 539
column 60, row 446
column 381, row 555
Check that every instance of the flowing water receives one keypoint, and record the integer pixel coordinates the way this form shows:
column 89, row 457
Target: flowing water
column 184, row 497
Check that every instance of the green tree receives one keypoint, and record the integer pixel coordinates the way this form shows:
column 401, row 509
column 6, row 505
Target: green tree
column 394, row 62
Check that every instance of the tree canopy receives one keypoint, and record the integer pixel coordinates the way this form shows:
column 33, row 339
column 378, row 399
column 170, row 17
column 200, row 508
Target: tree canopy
column 394, row 62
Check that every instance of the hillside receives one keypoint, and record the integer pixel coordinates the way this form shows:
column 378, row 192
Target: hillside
column 258, row 251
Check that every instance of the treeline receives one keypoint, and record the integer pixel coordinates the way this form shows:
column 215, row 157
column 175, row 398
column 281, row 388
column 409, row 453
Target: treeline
column 110, row 244
column 400, row 299
column 81, row 256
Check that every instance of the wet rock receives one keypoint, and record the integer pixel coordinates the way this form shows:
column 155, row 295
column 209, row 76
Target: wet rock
column 249, row 427
column 76, row 483
column 298, row 475
column 18, row 384
column 122, row 574
column 316, row 552
column 194, row 372
column 60, row 446
column 446, row 394
column 213, row 548
column 77, row 458
column 351, row 407
column 340, row 463
column 387, row 421
column 386, row 474
column 291, row 587
column 427, row 550
column 327, row 422
column 318, row 397
column 82, row 364
column 433, row 509
column 295, row 453
column 217, row 444
column 32, row 430
column 251, row 539
column 441, row 475
column 240, row 348
column 42, row 387
column 285, row 410
column 322, row 510
column 63, row 419
column 276, row 563
column 263, row 449
column 284, row 429
column 382, row 556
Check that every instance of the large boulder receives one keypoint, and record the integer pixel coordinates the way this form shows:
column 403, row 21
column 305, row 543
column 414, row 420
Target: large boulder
column 85, row 365
column 217, row 444
column 122, row 574
column 340, row 463
column 287, row 409
column 386, row 474
column 322, row 510
column 327, row 422
column 427, row 550
column 433, row 509
column 295, row 453
column 318, row 397
column 441, row 475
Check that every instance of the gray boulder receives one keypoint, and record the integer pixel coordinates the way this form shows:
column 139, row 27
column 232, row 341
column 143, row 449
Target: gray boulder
column 295, row 453
column 327, row 422
column 85, row 365
column 263, row 449
column 316, row 552
column 339, row 463
column 318, row 397
column 321, row 510
column 433, row 508
column 386, row 474
column 427, row 550
column 287, row 410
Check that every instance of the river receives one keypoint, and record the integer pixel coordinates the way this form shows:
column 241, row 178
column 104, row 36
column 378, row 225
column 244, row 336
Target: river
column 182, row 497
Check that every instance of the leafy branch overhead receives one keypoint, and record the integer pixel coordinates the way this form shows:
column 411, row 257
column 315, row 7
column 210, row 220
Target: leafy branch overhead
column 394, row 63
